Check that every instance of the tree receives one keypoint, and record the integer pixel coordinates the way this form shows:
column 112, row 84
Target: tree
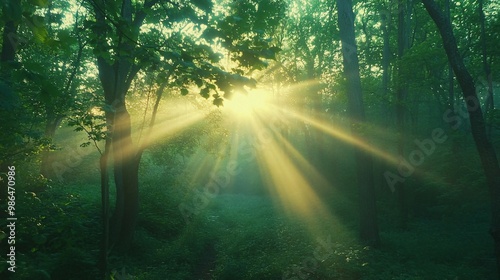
column 55, row 67
column 123, row 48
column 367, row 202
column 404, row 15
column 19, row 112
column 490, row 104
column 11, row 12
column 487, row 154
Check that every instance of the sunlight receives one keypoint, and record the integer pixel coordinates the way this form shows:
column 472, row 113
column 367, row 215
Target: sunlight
column 288, row 183
column 176, row 120
column 247, row 104
column 346, row 137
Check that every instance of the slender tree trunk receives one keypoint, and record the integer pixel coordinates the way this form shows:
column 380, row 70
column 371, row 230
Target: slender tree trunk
column 401, row 99
column 386, row 53
column 379, row 164
column 105, row 247
column 485, row 149
column 455, row 145
column 451, row 88
column 10, row 40
column 490, row 104
column 367, row 202
column 10, row 102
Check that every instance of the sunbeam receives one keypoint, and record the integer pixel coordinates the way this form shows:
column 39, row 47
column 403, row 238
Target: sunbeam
column 338, row 133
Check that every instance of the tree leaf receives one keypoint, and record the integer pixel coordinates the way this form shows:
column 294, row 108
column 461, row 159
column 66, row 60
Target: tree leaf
column 12, row 10
column 40, row 3
column 218, row 102
column 205, row 5
column 205, row 92
column 37, row 27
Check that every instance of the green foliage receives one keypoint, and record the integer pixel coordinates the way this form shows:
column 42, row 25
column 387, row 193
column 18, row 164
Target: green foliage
column 35, row 23
column 493, row 118
column 12, row 10
column 214, row 48
column 53, row 233
column 92, row 122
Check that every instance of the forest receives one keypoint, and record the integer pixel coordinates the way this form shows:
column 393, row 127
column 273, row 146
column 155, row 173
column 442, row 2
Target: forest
column 249, row 139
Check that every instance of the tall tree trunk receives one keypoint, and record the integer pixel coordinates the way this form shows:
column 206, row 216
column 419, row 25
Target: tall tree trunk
column 116, row 77
column 451, row 88
column 10, row 104
column 126, row 169
column 484, row 147
column 401, row 99
column 104, row 250
column 10, row 40
column 367, row 202
column 386, row 53
column 385, row 26
column 490, row 104
column 455, row 145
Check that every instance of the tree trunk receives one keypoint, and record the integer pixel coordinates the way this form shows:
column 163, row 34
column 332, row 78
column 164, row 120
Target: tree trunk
column 104, row 250
column 367, row 202
column 485, row 149
column 386, row 54
column 10, row 40
column 10, row 104
column 126, row 168
column 116, row 81
column 455, row 144
column 401, row 99
column 490, row 105
column 116, row 77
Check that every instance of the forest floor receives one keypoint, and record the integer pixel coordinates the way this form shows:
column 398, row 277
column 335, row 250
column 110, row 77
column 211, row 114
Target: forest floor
column 240, row 236
column 245, row 236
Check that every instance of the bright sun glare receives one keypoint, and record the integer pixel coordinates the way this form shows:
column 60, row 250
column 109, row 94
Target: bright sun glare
column 247, row 104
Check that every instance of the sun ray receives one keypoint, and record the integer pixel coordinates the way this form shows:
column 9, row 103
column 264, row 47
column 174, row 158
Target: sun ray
column 174, row 124
column 292, row 181
column 339, row 133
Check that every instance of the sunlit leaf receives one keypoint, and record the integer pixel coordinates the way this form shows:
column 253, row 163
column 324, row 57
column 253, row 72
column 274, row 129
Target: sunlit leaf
column 37, row 27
